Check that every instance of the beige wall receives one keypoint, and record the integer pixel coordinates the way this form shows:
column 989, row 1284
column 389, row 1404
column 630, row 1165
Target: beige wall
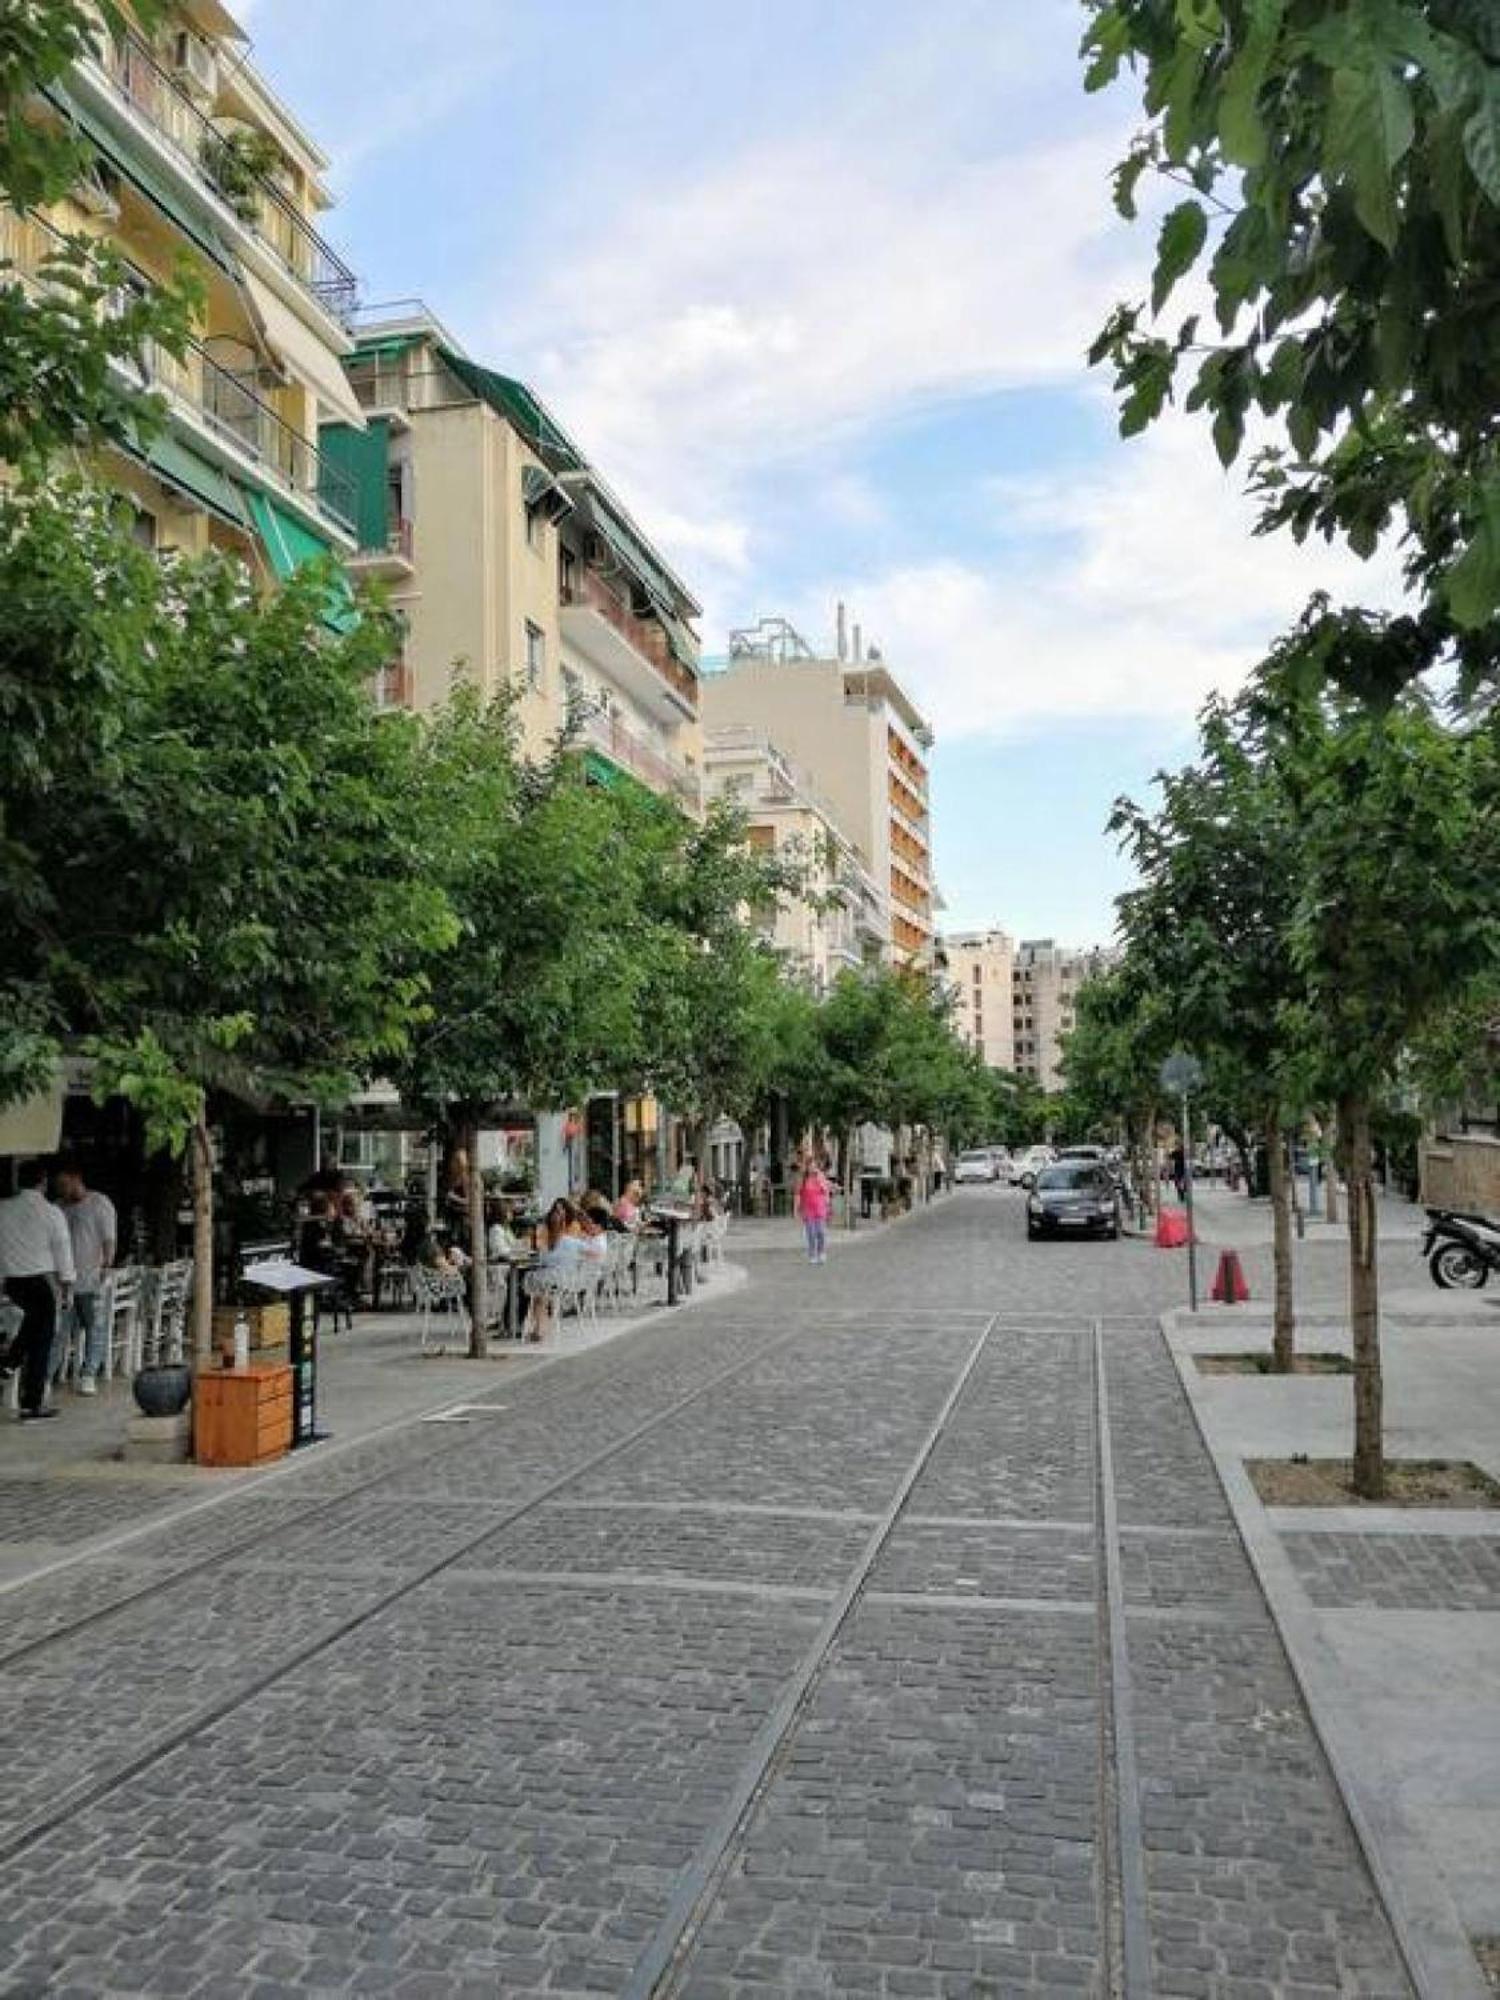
column 1462, row 1171
column 984, row 1007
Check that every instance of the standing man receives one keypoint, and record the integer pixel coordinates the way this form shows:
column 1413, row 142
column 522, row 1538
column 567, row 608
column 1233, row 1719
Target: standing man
column 36, row 1262
column 93, row 1230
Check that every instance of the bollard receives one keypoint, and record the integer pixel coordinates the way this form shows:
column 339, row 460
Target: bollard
column 1229, row 1287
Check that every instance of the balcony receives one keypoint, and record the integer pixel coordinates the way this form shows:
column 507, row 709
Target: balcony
column 394, row 557
column 632, row 650
column 665, row 775
column 210, row 397
column 138, row 80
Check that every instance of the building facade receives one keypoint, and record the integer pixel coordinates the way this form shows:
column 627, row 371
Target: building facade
column 192, row 162
column 851, row 726
column 981, row 980
column 511, row 562
column 840, row 920
column 1046, row 982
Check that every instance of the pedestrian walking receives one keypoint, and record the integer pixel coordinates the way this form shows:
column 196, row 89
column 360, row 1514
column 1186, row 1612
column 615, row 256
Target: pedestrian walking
column 36, row 1263
column 814, row 1200
column 93, row 1231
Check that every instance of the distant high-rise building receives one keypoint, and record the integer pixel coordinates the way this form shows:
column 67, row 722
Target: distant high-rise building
column 1046, row 982
column 851, row 726
column 981, row 979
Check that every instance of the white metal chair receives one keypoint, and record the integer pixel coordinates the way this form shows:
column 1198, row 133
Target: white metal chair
column 618, row 1284
column 121, row 1309
column 165, row 1294
column 438, row 1292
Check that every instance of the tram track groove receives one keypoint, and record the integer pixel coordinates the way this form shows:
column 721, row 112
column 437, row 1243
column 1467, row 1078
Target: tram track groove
column 156, row 1583
column 655, row 1972
column 90, row 1792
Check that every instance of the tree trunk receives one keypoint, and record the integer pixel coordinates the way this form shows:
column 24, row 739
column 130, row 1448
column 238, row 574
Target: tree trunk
column 1284, row 1328
column 846, row 1175
column 479, row 1270
column 1364, row 1297
column 1330, row 1177
column 201, row 1149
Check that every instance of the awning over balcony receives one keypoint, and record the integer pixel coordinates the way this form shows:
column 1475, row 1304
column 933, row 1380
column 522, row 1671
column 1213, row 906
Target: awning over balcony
column 177, row 465
column 515, row 402
column 290, row 546
column 295, row 344
column 363, row 458
column 632, row 556
column 147, row 179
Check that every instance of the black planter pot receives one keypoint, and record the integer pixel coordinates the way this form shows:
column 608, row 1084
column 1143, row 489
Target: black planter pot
column 163, row 1392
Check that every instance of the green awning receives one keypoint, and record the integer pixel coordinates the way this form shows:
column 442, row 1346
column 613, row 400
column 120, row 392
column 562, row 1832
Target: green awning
column 290, row 545
column 363, row 459
column 143, row 175
column 515, row 402
column 204, row 483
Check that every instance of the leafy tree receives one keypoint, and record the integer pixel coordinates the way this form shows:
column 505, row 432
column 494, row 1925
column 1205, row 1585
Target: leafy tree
column 1208, row 930
column 544, row 996
column 215, row 876
column 1337, row 165
column 1395, row 921
column 1122, row 1032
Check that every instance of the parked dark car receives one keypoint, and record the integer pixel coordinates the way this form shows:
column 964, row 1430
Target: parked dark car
column 1073, row 1198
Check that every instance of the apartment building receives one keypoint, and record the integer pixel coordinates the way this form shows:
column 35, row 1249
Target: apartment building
column 981, row 980
column 1046, row 983
column 192, row 161
column 510, row 560
column 840, row 920
column 850, row 725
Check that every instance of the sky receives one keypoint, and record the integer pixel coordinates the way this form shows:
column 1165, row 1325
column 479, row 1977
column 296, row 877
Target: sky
column 813, row 287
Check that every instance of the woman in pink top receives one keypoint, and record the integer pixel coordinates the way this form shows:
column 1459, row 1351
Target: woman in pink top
column 814, row 1199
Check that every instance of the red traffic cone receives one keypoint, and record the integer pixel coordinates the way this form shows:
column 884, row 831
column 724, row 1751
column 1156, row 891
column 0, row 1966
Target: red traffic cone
column 1171, row 1228
column 1229, row 1287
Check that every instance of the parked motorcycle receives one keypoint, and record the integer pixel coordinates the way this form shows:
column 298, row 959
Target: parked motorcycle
column 1461, row 1249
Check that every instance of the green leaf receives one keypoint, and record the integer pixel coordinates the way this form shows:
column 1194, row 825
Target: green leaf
column 1472, row 586
column 1242, row 129
column 1482, row 138
column 1183, row 235
column 1370, row 130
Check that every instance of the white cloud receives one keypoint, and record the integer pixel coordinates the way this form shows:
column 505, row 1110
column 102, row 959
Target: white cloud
column 1131, row 589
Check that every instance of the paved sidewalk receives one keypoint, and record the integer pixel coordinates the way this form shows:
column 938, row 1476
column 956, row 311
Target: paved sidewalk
column 1392, row 1616
column 881, row 1629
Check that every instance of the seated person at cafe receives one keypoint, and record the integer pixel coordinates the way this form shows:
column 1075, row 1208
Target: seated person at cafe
column 317, row 1239
column 420, row 1245
column 628, row 1207
column 596, row 1207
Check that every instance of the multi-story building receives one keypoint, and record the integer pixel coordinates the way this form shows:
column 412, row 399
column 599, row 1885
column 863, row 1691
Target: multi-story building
column 510, row 560
column 839, row 919
column 1046, row 983
column 852, row 727
column 192, row 162
column 981, row 980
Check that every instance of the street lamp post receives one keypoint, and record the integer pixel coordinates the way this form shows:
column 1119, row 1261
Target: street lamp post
column 1181, row 1074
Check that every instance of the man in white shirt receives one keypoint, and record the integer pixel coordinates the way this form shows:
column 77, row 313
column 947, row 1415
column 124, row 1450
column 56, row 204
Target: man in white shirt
column 36, row 1263
column 93, row 1230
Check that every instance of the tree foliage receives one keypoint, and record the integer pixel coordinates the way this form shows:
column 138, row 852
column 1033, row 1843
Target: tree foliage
column 1334, row 174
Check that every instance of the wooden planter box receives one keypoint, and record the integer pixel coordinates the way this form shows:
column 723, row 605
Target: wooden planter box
column 242, row 1416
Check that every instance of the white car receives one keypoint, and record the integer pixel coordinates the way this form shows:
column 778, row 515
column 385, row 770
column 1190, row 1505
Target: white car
column 1025, row 1167
column 969, row 1167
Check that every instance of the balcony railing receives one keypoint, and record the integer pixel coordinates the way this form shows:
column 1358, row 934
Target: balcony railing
column 655, row 769
column 225, row 402
column 587, row 589
column 155, row 95
column 399, row 542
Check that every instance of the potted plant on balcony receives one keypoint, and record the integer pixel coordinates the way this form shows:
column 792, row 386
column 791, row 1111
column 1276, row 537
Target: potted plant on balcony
column 239, row 162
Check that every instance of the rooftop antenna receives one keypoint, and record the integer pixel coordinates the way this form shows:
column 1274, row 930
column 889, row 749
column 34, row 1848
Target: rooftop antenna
column 843, row 631
column 859, row 647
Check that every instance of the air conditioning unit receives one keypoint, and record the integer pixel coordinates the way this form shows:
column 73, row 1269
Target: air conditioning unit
column 196, row 64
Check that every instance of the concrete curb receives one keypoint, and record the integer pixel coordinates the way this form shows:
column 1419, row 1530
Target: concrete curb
column 1429, row 1932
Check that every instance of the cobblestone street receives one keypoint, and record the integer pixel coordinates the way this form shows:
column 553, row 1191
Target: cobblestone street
column 879, row 1629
